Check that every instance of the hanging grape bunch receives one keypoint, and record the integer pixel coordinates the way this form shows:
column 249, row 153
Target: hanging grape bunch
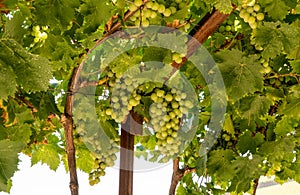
column 103, row 151
column 251, row 14
column 164, row 107
column 154, row 12
column 231, row 25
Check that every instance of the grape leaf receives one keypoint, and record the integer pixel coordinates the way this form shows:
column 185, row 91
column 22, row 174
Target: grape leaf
column 240, row 73
column 251, row 107
column 46, row 153
column 224, row 6
column 248, row 142
column 96, row 12
column 7, row 74
column 8, row 161
column 285, row 125
column 16, row 133
column 246, row 170
column 219, row 162
column 291, row 105
column 295, row 65
column 276, row 37
column 13, row 27
column 55, row 13
column 33, row 72
column 277, row 9
column 84, row 160
column 228, row 125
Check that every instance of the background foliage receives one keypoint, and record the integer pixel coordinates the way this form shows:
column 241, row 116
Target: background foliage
column 256, row 49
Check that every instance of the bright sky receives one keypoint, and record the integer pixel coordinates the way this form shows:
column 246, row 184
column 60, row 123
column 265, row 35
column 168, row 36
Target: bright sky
column 39, row 179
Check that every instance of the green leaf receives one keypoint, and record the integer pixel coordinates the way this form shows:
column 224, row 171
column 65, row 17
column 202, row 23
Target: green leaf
column 295, row 65
column 277, row 9
column 48, row 154
column 240, row 73
column 249, row 142
column 181, row 190
column 45, row 104
column 228, row 125
column 8, row 162
column 55, row 13
column 251, row 107
column 224, row 6
column 276, row 37
column 14, row 29
column 18, row 133
column 219, row 163
column 7, row 74
column 96, row 12
column 84, row 160
column 291, row 105
column 285, row 126
column 246, row 169
column 33, row 72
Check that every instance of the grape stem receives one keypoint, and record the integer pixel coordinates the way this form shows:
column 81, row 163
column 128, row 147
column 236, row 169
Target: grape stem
column 284, row 75
column 178, row 174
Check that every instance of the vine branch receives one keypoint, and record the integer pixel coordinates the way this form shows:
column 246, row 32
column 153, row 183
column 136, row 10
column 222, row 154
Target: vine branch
column 178, row 174
column 207, row 26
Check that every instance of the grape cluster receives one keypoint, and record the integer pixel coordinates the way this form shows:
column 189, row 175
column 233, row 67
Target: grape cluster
column 267, row 69
column 166, row 117
column 153, row 12
column 39, row 36
column 250, row 13
column 103, row 156
column 103, row 160
column 232, row 24
column 124, row 98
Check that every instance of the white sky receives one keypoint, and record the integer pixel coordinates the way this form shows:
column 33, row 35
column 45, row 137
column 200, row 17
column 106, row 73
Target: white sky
column 39, row 179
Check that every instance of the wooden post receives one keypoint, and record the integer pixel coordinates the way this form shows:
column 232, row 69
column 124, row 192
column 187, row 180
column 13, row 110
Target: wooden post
column 132, row 126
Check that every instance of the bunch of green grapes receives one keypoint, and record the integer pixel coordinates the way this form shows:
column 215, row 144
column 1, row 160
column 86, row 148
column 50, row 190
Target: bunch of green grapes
column 103, row 159
column 123, row 98
column 231, row 25
column 251, row 14
column 40, row 35
column 153, row 12
column 104, row 156
column 166, row 113
column 266, row 68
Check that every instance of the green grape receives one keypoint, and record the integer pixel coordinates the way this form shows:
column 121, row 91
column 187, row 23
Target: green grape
column 147, row 13
column 249, row 10
column 155, row 6
column 145, row 23
column 153, row 15
column 161, row 8
column 260, row 16
column 169, row 97
column 256, row 7
column 36, row 28
column 167, row 12
column 228, row 28
column 137, row 23
column 108, row 111
column 173, row 9
column 251, row 20
column 43, row 36
column 36, row 40
column 160, row 93
column 132, row 7
column 149, row 4
column 138, row 3
column 222, row 28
